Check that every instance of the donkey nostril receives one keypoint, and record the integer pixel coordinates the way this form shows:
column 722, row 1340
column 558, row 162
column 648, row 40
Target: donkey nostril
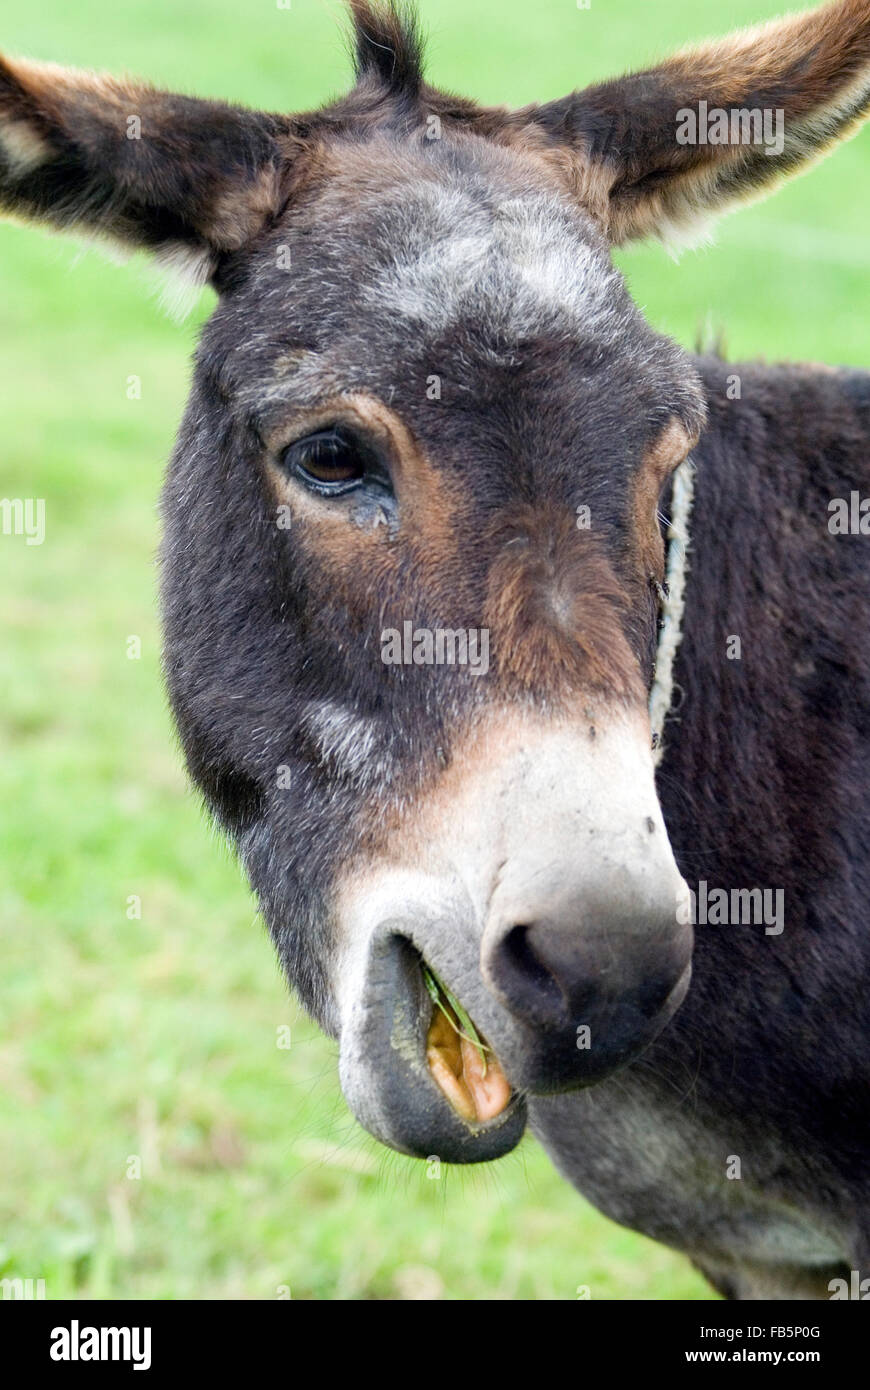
column 524, row 981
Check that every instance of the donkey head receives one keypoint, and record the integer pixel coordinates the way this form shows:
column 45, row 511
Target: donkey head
column 412, row 554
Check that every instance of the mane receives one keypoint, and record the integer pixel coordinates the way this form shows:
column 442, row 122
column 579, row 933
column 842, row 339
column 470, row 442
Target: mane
column 388, row 46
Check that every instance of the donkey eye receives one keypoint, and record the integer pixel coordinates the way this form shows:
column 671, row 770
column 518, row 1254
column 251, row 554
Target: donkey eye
column 334, row 461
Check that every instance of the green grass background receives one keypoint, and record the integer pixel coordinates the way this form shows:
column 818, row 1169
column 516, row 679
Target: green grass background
column 157, row 1038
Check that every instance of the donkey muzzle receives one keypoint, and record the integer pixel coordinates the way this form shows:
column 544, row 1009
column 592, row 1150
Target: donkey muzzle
column 536, row 909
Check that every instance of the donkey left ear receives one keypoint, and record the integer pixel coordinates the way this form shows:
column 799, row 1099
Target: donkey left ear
column 661, row 152
column 173, row 174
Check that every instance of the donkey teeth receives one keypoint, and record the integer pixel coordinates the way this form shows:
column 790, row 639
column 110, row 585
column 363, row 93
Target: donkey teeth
column 477, row 1094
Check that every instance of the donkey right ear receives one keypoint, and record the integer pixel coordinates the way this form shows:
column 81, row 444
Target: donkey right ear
column 185, row 178
column 647, row 163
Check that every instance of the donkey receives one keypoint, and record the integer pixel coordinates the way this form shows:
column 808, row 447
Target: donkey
column 425, row 407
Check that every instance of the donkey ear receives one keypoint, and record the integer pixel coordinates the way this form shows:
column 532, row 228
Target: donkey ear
column 783, row 94
column 182, row 177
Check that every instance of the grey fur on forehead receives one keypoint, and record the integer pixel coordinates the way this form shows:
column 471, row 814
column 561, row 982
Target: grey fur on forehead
column 435, row 261
column 517, row 267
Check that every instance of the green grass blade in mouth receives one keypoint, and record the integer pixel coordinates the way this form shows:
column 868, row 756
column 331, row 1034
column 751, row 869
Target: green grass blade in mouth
column 465, row 1028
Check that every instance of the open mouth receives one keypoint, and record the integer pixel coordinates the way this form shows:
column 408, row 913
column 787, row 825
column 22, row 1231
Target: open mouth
column 460, row 1061
column 416, row 1070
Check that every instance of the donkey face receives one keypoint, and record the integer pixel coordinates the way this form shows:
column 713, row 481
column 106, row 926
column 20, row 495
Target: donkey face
column 494, row 818
column 412, row 550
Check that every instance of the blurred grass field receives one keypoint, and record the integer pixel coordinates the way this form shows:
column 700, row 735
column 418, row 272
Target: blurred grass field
column 157, row 1038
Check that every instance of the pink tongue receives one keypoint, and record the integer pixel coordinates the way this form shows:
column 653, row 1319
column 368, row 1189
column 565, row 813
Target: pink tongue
column 476, row 1088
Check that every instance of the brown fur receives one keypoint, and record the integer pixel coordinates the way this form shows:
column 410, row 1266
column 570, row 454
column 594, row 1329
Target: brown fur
column 555, row 608
column 671, row 447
